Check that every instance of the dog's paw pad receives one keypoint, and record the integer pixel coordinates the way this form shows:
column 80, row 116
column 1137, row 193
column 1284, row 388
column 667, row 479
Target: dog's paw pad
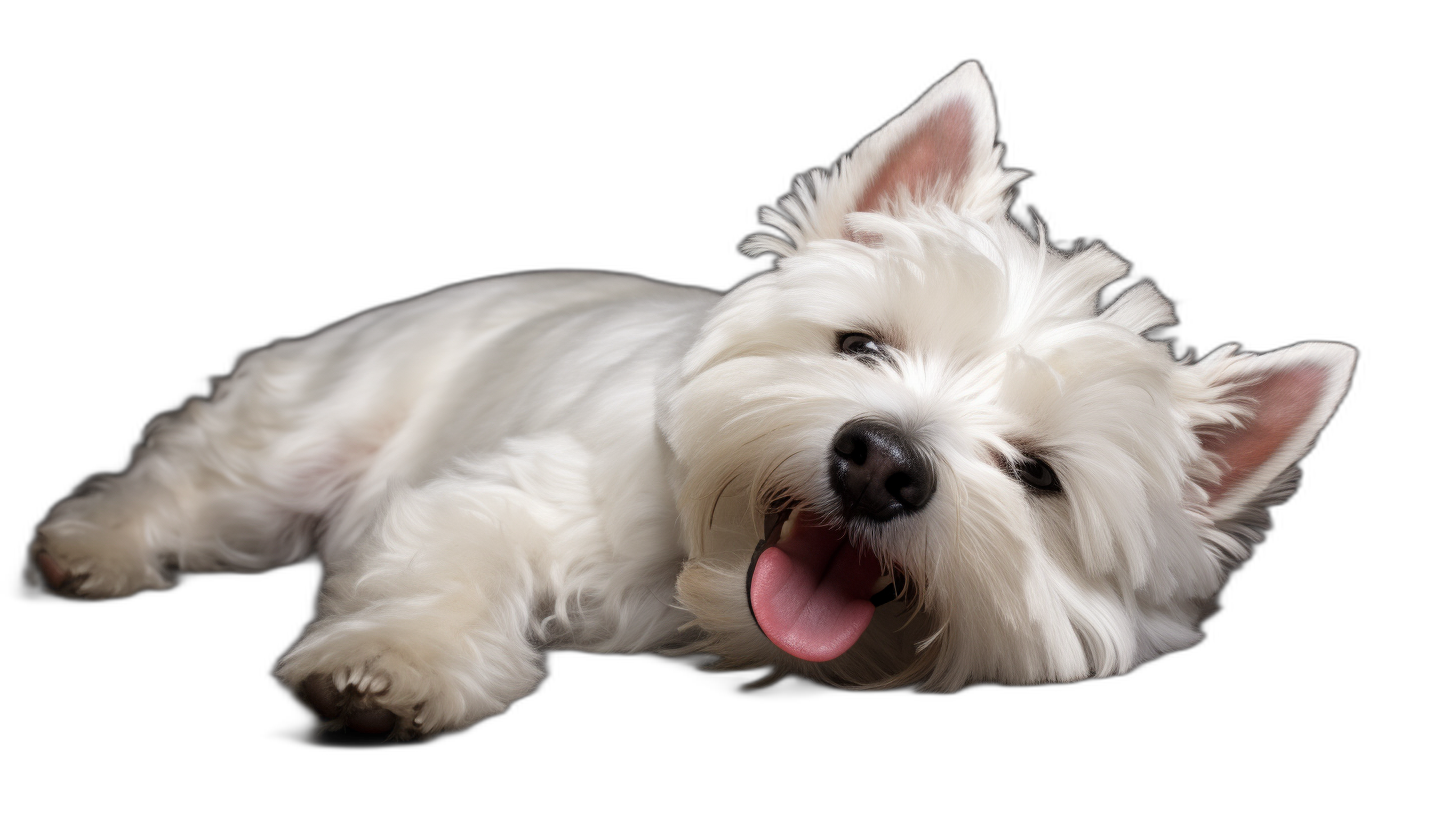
column 348, row 700
column 371, row 721
column 318, row 693
column 69, row 577
column 57, row 577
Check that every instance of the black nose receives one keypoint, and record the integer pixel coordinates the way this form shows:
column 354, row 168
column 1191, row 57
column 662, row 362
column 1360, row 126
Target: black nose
column 877, row 473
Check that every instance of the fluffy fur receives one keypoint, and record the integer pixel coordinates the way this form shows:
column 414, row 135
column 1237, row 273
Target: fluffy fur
column 587, row 460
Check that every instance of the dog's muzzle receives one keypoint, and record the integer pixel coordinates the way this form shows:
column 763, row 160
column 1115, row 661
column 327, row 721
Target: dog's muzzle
column 812, row 588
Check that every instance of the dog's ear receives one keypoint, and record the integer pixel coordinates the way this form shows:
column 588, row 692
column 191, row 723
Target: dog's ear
column 1267, row 410
column 942, row 149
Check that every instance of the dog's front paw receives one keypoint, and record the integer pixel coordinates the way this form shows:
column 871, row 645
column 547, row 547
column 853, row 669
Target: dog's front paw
column 402, row 681
column 372, row 696
column 80, row 559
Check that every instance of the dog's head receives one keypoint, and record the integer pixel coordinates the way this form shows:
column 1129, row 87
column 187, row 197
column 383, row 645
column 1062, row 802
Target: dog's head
column 921, row 450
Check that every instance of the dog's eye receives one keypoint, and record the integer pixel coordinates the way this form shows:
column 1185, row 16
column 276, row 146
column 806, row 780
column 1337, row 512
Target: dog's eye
column 1035, row 473
column 859, row 345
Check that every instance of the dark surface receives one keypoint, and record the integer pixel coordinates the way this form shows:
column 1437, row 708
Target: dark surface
column 203, row 200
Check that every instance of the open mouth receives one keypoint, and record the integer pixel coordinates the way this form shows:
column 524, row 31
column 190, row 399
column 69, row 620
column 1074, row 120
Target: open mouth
column 811, row 589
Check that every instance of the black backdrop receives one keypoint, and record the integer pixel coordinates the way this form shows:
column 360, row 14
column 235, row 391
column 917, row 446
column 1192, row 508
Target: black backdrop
column 197, row 201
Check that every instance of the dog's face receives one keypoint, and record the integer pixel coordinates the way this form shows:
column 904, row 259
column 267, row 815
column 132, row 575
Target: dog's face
column 921, row 450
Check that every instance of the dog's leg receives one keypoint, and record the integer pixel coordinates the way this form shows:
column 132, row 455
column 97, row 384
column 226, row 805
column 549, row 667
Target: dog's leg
column 237, row 481
column 434, row 622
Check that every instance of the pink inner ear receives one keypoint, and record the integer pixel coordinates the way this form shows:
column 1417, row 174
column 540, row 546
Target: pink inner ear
column 1281, row 402
column 937, row 151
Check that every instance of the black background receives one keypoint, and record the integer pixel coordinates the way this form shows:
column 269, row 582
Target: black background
column 208, row 194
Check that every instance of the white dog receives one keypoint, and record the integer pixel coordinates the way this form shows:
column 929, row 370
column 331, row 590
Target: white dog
column 917, row 451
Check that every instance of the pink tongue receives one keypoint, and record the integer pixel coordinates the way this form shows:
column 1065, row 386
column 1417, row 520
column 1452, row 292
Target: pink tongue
column 811, row 593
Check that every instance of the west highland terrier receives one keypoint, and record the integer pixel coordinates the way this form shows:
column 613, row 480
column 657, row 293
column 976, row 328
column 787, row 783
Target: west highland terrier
column 919, row 450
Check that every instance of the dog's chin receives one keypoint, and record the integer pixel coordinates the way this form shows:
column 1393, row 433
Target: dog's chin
column 812, row 588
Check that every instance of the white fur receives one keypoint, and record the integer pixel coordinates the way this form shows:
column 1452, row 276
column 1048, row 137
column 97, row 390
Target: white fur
column 585, row 459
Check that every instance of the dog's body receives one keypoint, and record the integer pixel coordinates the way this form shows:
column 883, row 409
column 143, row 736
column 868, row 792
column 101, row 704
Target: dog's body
column 918, row 451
